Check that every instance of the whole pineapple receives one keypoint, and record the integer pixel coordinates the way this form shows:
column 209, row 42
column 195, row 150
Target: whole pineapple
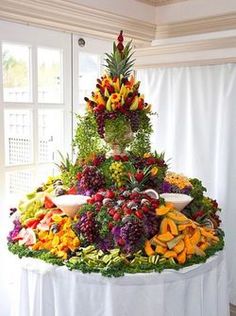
column 119, row 62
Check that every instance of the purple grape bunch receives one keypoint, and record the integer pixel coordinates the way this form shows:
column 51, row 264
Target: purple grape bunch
column 87, row 227
column 100, row 119
column 132, row 232
column 134, row 119
column 91, row 180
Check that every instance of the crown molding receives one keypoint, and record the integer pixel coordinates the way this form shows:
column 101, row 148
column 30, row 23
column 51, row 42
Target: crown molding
column 197, row 26
column 200, row 45
column 199, row 52
column 158, row 3
column 71, row 17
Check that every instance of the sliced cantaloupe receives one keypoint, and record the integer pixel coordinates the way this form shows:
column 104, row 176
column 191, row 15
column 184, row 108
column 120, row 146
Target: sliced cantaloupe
column 172, row 243
column 170, row 254
column 148, row 248
column 164, row 226
column 189, row 247
column 163, row 210
column 181, row 258
column 179, row 247
column 199, row 251
column 177, row 217
column 196, row 237
column 155, row 241
column 160, row 250
column 173, row 228
column 165, row 237
column 204, row 246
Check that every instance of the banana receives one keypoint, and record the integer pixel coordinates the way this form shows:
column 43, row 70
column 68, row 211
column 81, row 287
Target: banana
column 106, row 93
column 122, row 100
column 116, row 85
column 108, row 104
column 122, row 89
column 147, row 108
column 134, row 104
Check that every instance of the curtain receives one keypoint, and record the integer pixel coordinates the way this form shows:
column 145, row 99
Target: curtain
column 196, row 128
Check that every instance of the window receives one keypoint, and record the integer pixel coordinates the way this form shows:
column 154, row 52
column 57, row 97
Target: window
column 35, row 105
column 16, row 65
column 88, row 66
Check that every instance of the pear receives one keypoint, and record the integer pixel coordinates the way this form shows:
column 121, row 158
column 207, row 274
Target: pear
column 134, row 104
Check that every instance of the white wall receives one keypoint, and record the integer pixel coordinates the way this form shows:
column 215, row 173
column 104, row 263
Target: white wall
column 193, row 9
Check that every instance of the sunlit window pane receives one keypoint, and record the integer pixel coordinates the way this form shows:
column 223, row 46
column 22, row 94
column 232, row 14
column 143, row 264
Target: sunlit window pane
column 50, row 76
column 19, row 182
column 18, row 137
column 89, row 71
column 50, row 124
column 16, row 73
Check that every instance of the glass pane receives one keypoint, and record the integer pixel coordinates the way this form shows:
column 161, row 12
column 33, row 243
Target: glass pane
column 19, row 182
column 16, row 73
column 18, row 137
column 50, row 76
column 89, row 71
column 50, row 124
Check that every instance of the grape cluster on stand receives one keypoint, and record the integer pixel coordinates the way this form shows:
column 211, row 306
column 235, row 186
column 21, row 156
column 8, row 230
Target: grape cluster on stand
column 117, row 173
column 91, row 180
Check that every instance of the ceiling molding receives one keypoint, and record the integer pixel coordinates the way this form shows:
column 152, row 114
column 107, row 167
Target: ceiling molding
column 158, row 3
column 212, row 51
column 74, row 18
column 197, row 26
column 200, row 45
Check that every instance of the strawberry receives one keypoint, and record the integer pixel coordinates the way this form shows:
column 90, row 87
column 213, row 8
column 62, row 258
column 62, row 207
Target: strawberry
column 98, row 197
column 125, row 158
column 197, row 214
column 112, row 212
column 79, row 175
column 110, row 225
column 117, row 157
column 151, row 161
column 139, row 214
column 100, row 107
column 110, row 194
column 72, row 191
column 91, row 201
column 48, row 203
column 116, row 217
column 139, row 176
column 121, row 242
column 128, row 211
column 145, row 208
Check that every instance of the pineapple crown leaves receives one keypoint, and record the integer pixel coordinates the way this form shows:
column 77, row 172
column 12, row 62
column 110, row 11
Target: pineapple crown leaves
column 119, row 62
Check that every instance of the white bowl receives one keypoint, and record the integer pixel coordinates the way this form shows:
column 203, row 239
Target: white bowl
column 177, row 199
column 69, row 203
column 152, row 193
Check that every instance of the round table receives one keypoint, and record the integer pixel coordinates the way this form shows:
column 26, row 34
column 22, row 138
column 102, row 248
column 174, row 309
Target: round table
column 199, row 290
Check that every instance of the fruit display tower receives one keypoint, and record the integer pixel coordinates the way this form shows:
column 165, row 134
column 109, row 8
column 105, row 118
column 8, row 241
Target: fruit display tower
column 117, row 208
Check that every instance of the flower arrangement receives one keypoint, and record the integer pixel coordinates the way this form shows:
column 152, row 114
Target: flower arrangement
column 124, row 226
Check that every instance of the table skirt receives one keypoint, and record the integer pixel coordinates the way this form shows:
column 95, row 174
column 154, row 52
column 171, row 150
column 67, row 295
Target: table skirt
column 199, row 290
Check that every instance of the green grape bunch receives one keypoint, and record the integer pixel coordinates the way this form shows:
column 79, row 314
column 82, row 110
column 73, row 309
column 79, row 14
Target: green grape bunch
column 118, row 173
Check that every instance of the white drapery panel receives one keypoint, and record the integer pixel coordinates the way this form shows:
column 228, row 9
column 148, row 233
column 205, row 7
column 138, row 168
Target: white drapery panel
column 196, row 127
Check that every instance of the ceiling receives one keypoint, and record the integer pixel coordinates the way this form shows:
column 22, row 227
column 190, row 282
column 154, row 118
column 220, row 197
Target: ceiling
column 157, row 3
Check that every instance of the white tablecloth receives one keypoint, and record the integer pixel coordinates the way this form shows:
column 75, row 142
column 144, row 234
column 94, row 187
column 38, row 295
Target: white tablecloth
column 47, row 290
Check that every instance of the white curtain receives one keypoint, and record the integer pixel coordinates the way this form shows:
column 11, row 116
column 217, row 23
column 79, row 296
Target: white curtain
column 196, row 127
